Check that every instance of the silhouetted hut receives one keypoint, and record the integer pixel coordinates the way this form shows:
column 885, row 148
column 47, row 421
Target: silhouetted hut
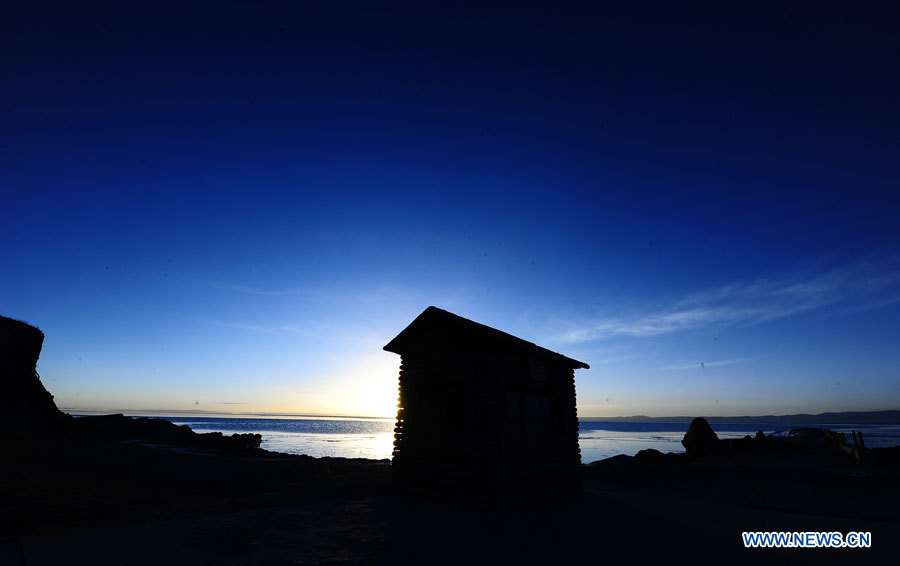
column 482, row 413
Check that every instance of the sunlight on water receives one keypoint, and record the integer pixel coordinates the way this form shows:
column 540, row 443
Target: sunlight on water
column 333, row 437
column 597, row 445
column 373, row 438
column 373, row 446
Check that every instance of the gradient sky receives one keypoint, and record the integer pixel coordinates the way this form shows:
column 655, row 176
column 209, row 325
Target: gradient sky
column 232, row 208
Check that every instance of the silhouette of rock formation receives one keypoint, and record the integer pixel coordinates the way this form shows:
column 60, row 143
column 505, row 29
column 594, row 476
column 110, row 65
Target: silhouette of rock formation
column 118, row 427
column 700, row 439
column 28, row 404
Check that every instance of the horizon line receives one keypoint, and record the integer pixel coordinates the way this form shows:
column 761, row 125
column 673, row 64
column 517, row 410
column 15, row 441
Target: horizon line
column 201, row 412
column 749, row 416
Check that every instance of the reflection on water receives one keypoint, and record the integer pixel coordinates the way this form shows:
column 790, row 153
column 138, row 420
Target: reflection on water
column 597, row 445
column 373, row 438
column 603, row 444
column 600, row 440
column 374, row 446
column 317, row 437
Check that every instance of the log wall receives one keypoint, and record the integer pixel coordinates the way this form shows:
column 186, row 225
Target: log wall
column 457, row 434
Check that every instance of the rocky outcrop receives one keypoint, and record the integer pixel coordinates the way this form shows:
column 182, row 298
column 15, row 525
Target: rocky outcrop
column 28, row 404
column 30, row 407
column 649, row 455
column 147, row 430
column 700, row 439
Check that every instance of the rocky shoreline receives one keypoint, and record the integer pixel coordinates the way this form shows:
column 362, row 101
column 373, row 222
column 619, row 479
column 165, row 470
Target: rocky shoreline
column 119, row 490
column 104, row 498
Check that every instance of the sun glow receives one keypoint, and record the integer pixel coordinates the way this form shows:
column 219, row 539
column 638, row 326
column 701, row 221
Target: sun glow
column 368, row 388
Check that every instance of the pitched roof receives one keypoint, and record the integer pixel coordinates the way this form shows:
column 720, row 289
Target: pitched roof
column 436, row 323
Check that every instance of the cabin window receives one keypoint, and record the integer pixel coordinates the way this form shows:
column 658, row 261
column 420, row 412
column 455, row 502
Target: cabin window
column 536, row 413
column 532, row 413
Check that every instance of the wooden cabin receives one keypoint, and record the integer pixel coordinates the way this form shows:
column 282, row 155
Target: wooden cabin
column 482, row 414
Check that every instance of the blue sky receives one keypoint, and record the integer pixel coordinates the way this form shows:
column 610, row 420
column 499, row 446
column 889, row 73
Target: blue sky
column 233, row 208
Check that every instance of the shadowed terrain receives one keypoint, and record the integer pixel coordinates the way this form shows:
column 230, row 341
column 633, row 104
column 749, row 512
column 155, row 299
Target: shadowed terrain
column 114, row 490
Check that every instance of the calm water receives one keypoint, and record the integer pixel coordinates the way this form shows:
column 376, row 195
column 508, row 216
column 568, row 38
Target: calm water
column 373, row 438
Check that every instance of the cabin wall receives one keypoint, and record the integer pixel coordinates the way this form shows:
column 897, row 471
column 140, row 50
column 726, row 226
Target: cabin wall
column 481, row 421
column 541, row 422
column 435, row 417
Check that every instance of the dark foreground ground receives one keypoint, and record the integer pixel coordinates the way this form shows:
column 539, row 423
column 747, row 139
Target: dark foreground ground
column 75, row 499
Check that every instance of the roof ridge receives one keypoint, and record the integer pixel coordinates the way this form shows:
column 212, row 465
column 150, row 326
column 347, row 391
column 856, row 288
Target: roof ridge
column 432, row 314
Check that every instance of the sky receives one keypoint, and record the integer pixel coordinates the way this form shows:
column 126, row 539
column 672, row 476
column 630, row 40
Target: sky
column 233, row 206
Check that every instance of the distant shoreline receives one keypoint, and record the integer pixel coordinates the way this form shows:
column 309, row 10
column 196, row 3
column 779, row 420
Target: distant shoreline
column 846, row 418
column 891, row 417
column 216, row 415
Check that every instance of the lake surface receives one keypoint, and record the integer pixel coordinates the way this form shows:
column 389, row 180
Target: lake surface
column 373, row 438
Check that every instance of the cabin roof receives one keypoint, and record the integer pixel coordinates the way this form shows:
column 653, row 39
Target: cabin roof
column 435, row 323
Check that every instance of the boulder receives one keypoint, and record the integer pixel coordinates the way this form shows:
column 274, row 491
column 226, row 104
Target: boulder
column 700, row 439
column 649, row 454
column 29, row 405
column 806, row 433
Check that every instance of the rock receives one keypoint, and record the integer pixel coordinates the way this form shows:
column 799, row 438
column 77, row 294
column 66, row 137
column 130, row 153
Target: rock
column 832, row 437
column 806, row 433
column 700, row 438
column 160, row 431
column 29, row 405
column 742, row 445
column 617, row 459
column 649, row 454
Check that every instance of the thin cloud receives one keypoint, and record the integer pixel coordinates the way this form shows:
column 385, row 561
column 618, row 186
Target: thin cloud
column 267, row 329
column 608, row 360
column 302, row 292
column 865, row 285
column 260, row 328
column 705, row 365
column 267, row 292
column 880, row 304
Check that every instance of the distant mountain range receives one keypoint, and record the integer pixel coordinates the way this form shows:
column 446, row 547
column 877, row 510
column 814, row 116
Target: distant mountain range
column 848, row 417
